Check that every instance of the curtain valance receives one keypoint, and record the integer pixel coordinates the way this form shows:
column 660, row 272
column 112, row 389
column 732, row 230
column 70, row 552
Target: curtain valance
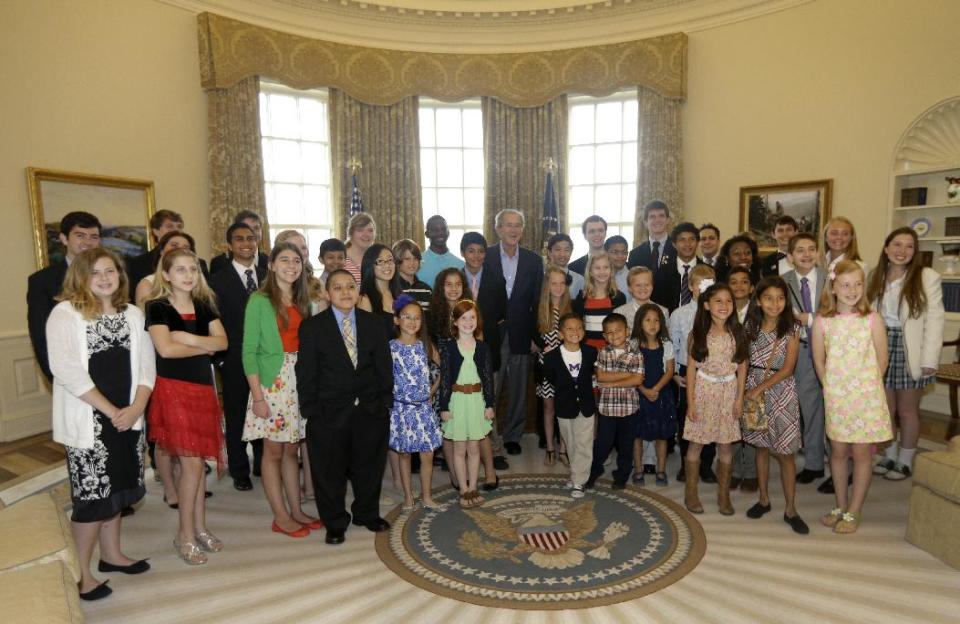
column 231, row 51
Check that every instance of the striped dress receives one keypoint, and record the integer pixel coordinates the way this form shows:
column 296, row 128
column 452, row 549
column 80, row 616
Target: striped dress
column 593, row 311
column 551, row 340
column 783, row 408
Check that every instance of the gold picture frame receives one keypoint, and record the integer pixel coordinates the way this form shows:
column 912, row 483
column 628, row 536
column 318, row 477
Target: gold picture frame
column 123, row 206
column 808, row 202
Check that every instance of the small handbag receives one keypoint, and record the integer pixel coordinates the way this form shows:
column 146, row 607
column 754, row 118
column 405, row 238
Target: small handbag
column 754, row 414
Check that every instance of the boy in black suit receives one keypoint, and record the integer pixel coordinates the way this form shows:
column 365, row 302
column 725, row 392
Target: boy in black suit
column 253, row 221
column 79, row 231
column 778, row 262
column 345, row 386
column 671, row 284
column 650, row 253
column 233, row 285
column 570, row 370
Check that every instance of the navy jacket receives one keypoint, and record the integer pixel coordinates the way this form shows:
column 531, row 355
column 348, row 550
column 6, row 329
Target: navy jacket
column 571, row 398
column 521, row 322
column 450, row 362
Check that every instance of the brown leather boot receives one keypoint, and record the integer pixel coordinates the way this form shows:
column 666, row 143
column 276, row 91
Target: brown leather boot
column 723, row 489
column 691, row 499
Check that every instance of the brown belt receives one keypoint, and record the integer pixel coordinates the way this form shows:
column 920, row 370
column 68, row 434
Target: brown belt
column 466, row 388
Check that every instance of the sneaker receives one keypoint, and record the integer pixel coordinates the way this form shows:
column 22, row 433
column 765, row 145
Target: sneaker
column 577, row 491
column 899, row 472
column 662, row 479
column 884, row 466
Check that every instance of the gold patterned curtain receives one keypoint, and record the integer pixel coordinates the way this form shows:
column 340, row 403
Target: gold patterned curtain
column 234, row 156
column 659, row 161
column 386, row 140
column 516, row 143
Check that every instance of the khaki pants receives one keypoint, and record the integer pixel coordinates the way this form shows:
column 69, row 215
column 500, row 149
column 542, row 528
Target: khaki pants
column 577, row 434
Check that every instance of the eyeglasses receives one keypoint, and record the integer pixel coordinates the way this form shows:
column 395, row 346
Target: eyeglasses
column 384, row 262
column 409, row 317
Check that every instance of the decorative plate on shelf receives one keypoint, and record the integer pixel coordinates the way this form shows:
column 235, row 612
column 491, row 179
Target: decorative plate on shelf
column 921, row 226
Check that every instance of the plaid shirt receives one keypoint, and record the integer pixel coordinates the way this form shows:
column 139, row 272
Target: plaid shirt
column 619, row 402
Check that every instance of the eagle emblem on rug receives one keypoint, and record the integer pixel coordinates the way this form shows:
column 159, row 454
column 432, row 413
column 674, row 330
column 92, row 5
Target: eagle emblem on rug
column 548, row 540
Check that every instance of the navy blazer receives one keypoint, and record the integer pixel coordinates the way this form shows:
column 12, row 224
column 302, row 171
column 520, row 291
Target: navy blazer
column 666, row 283
column 328, row 385
column 232, row 304
column 450, row 363
column 571, row 399
column 492, row 301
column 770, row 265
column 522, row 303
column 642, row 255
column 43, row 288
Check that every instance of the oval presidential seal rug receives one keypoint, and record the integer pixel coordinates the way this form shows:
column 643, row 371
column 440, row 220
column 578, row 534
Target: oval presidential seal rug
column 532, row 546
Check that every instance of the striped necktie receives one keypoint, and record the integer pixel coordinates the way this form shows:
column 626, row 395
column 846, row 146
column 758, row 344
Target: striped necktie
column 349, row 340
column 685, row 294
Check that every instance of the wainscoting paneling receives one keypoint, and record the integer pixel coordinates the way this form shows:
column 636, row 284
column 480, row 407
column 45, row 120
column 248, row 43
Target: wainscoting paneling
column 24, row 392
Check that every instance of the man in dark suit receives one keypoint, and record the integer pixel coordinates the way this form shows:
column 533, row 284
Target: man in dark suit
column 594, row 230
column 778, row 262
column 161, row 223
column 345, row 386
column 710, row 244
column 79, row 231
column 253, row 221
column 490, row 293
column 522, row 272
column 671, row 284
column 650, row 253
column 233, row 285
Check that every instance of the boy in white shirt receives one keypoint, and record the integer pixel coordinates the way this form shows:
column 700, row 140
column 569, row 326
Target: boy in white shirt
column 640, row 287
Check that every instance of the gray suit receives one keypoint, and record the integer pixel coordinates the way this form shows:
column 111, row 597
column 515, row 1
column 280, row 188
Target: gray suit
column 808, row 385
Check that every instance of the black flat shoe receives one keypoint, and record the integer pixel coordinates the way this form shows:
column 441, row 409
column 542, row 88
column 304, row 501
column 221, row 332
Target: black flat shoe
column 171, row 505
column 797, row 524
column 137, row 567
column 809, row 476
column 489, row 487
column 827, row 487
column 98, row 592
column 500, row 463
column 512, row 448
column 242, row 483
column 208, row 494
column 758, row 511
column 335, row 536
column 376, row 525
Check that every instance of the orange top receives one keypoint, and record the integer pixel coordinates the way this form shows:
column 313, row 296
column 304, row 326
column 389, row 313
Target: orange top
column 290, row 336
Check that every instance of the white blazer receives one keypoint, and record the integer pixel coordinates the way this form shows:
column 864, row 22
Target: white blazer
column 923, row 336
column 67, row 350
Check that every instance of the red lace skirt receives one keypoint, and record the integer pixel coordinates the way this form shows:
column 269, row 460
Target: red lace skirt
column 185, row 420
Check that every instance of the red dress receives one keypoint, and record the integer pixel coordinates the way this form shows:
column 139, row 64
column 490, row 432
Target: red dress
column 185, row 418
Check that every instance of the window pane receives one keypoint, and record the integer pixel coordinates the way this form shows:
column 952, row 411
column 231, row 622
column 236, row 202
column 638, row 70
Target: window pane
column 428, row 168
column 628, row 202
column 627, row 232
column 284, row 119
column 450, row 204
column 266, row 145
column 316, row 168
column 316, row 204
column 607, row 202
column 264, row 116
column 609, row 122
column 580, row 165
column 449, row 130
column 608, row 163
column 581, row 204
column 581, row 124
column 472, row 128
column 473, row 207
column 449, row 168
column 429, row 203
column 453, row 242
column 286, row 159
column 426, row 127
column 473, row 168
column 288, row 208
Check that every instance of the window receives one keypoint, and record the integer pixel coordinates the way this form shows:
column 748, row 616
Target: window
column 451, row 165
column 296, row 162
column 602, row 164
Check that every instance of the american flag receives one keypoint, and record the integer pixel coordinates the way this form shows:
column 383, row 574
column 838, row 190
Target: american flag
column 356, row 202
column 551, row 218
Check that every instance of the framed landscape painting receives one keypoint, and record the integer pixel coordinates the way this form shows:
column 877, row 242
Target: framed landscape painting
column 123, row 205
column 761, row 206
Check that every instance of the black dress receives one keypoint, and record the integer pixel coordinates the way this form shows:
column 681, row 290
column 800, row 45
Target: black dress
column 108, row 477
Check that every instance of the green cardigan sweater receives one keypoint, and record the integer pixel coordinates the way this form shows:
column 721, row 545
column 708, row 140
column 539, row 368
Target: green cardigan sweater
column 262, row 348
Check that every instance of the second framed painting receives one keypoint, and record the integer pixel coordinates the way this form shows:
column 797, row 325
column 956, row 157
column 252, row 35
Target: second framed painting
column 807, row 202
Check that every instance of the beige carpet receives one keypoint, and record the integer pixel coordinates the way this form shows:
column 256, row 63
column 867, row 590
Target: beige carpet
column 753, row 571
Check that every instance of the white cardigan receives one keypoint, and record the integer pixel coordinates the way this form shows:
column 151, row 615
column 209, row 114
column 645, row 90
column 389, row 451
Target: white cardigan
column 926, row 331
column 67, row 351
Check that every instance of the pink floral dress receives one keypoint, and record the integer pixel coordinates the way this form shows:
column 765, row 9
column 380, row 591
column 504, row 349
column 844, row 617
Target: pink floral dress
column 855, row 405
column 715, row 393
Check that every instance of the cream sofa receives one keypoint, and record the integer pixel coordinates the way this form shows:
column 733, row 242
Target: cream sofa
column 934, row 522
column 38, row 563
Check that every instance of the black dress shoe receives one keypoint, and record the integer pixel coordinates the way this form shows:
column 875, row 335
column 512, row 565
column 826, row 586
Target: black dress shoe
column 208, row 494
column 98, row 592
column 708, row 476
column 512, row 448
column 827, row 487
column 137, row 567
column 335, row 536
column 809, row 476
column 489, row 487
column 242, row 483
column 617, row 485
column 126, row 511
column 758, row 510
column 256, row 472
column 591, row 482
column 377, row 525
column 797, row 524
column 500, row 462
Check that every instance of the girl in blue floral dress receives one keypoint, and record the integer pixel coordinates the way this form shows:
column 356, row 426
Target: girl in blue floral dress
column 413, row 425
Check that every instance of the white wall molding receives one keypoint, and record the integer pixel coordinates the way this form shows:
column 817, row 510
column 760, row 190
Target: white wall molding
column 24, row 393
